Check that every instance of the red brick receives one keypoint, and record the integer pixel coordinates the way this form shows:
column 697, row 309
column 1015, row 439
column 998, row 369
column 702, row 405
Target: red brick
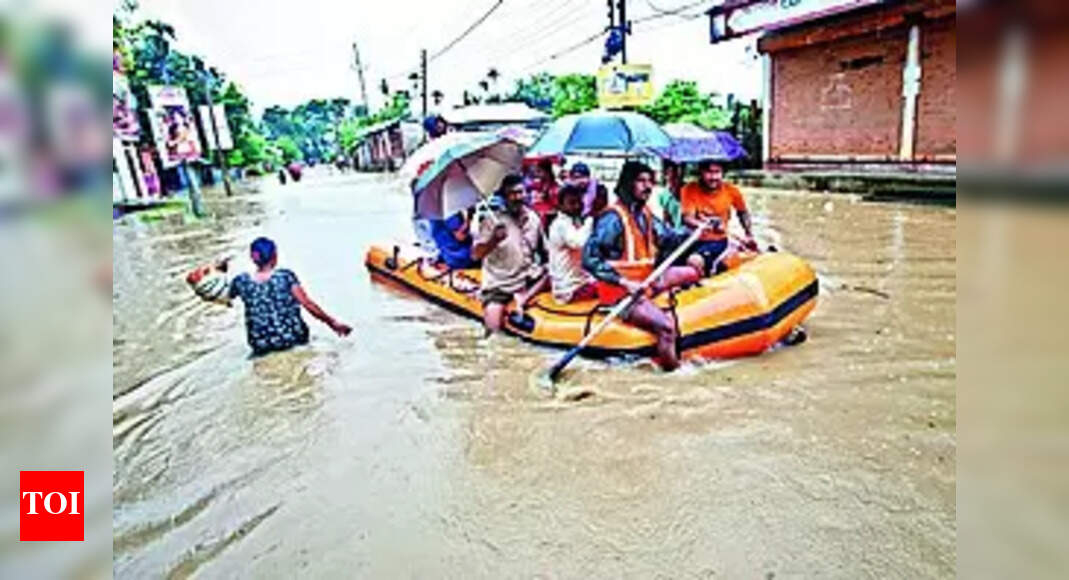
column 839, row 98
column 936, row 105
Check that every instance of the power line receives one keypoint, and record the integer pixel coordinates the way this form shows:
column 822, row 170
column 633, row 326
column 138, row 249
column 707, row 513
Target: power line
column 547, row 36
column 466, row 32
column 597, row 35
column 560, row 19
column 661, row 13
column 525, row 34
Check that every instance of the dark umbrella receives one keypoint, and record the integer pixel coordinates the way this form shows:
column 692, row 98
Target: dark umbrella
column 691, row 143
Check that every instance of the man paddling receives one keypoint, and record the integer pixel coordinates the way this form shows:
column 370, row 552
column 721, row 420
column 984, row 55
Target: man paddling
column 621, row 253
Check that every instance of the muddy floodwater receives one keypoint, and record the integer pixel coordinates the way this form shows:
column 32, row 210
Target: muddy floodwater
column 417, row 449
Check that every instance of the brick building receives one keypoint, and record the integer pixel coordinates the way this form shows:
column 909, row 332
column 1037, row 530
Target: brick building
column 856, row 84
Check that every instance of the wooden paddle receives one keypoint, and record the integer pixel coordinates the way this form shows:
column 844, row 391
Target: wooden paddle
column 565, row 360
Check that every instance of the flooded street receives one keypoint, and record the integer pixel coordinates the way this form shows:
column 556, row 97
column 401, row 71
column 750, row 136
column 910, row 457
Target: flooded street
column 415, row 448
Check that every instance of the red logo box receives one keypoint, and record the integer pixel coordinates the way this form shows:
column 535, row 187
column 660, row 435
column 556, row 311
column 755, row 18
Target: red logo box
column 51, row 506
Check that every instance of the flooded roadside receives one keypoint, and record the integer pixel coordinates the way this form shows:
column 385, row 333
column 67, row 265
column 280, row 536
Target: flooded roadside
column 415, row 448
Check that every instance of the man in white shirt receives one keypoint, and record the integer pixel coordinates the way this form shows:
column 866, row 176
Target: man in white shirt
column 567, row 236
column 508, row 246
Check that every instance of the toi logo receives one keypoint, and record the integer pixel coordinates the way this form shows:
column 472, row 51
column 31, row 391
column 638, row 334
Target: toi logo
column 51, row 506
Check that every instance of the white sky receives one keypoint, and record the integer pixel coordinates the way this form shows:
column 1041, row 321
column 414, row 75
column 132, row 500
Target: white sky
column 288, row 51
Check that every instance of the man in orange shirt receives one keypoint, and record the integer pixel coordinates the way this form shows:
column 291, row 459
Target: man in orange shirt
column 712, row 198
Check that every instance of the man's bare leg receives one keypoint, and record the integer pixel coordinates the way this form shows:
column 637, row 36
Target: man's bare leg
column 678, row 276
column 493, row 316
column 646, row 315
column 522, row 298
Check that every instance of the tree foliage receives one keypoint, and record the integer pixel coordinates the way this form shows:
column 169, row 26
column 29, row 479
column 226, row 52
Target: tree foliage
column 289, row 149
column 574, row 93
column 559, row 96
column 535, row 91
column 677, row 100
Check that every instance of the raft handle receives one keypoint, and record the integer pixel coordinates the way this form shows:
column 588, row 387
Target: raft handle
column 391, row 262
column 524, row 323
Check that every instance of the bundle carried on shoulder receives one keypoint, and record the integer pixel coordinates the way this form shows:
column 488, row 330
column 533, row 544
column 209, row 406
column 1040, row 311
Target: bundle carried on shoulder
column 211, row 283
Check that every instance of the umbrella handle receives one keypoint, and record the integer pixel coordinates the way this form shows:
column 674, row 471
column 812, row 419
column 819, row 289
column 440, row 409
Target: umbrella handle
column 482, row 210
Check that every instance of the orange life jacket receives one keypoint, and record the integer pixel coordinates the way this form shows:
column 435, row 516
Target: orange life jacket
column 637, row 261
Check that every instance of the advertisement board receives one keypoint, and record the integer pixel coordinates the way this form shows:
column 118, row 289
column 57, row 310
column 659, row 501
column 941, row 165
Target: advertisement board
column 625, row 85
column 124, row 123
column 173, row 126
column 220, row 130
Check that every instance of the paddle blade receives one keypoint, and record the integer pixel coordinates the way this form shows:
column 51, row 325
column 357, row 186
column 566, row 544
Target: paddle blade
column 555, row 370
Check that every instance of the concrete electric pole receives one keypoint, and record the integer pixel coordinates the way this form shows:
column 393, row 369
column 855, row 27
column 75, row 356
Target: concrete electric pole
column 423, row 77
column 360, row 74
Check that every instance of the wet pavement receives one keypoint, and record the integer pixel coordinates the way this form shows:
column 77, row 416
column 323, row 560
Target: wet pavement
column 416, row 448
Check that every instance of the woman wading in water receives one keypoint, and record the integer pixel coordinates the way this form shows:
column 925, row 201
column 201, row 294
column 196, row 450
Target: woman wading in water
column 273, row 298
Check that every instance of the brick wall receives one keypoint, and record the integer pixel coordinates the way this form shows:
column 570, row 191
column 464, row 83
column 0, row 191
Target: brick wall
column 841, row 98
column 936, row 105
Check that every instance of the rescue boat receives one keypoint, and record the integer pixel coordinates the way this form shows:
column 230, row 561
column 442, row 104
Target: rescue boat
column 743, row 311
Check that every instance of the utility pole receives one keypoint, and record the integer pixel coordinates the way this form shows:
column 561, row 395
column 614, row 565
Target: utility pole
column 195, row 201
column 423, row 77
column 360, row 74
column 625, row 29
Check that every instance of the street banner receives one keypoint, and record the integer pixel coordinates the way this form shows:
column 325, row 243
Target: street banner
column 173, row 126
column 625, row 85
column 124, row 123
column 226, row 141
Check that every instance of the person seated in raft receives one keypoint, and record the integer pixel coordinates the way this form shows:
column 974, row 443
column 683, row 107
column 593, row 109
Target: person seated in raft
column 543, row 187
column 452, row 236
column 712, row 198
column 568, row 234
column 595, row 196
column 507, row 243
column 621, row 252
column 273, row 299
column 668, row 195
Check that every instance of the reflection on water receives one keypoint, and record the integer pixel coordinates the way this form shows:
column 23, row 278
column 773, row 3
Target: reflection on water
column 418, row 448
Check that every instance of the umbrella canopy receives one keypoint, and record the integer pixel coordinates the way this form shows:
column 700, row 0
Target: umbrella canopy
column 464, row 173
column 691, row 143
column 423, row 157
column 600, row 131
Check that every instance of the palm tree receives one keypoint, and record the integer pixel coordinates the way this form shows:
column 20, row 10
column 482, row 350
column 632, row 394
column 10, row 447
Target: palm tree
column 493, row 75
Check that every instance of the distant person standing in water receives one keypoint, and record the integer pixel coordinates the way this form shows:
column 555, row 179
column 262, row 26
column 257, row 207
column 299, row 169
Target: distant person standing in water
column 273, row 299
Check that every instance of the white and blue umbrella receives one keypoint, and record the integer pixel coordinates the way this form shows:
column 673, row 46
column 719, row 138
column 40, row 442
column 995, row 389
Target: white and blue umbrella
column 600, row 131
column 464, row 173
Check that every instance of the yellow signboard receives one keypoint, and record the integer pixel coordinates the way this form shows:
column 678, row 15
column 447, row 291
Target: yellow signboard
column 625, row 85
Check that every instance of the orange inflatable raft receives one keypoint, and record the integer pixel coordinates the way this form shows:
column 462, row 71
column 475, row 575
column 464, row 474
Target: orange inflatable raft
column 752, row 306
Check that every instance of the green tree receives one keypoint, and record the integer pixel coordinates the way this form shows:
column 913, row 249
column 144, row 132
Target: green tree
column 535, row 91
column 574, row 93
column 289, row 149
column 711, row 118
column 348, row 135
column 678, row 99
